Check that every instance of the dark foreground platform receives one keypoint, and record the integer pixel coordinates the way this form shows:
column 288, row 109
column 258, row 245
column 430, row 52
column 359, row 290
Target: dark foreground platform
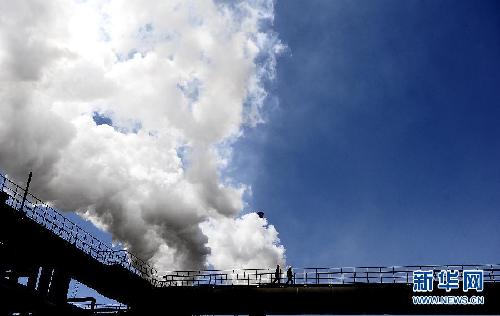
column 317, row 299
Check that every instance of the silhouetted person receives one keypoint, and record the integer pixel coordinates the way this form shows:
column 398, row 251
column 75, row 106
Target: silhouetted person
column 289, row 275
column 277, row 275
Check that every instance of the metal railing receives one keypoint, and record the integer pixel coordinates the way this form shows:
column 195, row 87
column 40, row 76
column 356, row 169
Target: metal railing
column 48, row 217
column 317, row 276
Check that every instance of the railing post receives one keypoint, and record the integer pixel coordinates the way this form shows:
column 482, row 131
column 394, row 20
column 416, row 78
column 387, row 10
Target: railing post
column 26, row 190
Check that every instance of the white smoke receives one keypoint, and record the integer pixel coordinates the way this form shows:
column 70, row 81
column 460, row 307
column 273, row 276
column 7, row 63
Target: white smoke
column 178, row 80
column 234, row 243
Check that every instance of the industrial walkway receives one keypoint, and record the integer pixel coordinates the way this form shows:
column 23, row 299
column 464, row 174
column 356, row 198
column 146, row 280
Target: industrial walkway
column 39, row 243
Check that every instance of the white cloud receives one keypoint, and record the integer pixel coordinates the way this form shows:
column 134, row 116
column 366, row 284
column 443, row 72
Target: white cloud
column 247, row 242
column 184, row 75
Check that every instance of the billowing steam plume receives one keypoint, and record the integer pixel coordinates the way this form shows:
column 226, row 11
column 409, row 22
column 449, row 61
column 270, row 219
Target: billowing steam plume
column 126, row 112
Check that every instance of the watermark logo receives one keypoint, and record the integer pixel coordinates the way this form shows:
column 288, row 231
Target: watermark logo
column 448, row 280
column 473, row 279
column 423, row 281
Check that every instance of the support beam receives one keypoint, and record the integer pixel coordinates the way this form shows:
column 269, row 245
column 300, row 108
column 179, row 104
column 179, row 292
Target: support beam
column 44, row 280
column 58, row 291
column 33, row 277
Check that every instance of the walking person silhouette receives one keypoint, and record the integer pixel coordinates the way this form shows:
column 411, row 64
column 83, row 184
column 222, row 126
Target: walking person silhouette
column 289, row 275
column 277, row 275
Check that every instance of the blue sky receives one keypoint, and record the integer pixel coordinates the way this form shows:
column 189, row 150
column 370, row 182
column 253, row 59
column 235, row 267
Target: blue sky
column 385, row 147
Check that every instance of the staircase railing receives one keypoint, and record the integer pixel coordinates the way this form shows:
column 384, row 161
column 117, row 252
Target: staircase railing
column 51, row 219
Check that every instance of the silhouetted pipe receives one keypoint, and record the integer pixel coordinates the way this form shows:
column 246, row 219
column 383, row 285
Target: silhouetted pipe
column 90, row 299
